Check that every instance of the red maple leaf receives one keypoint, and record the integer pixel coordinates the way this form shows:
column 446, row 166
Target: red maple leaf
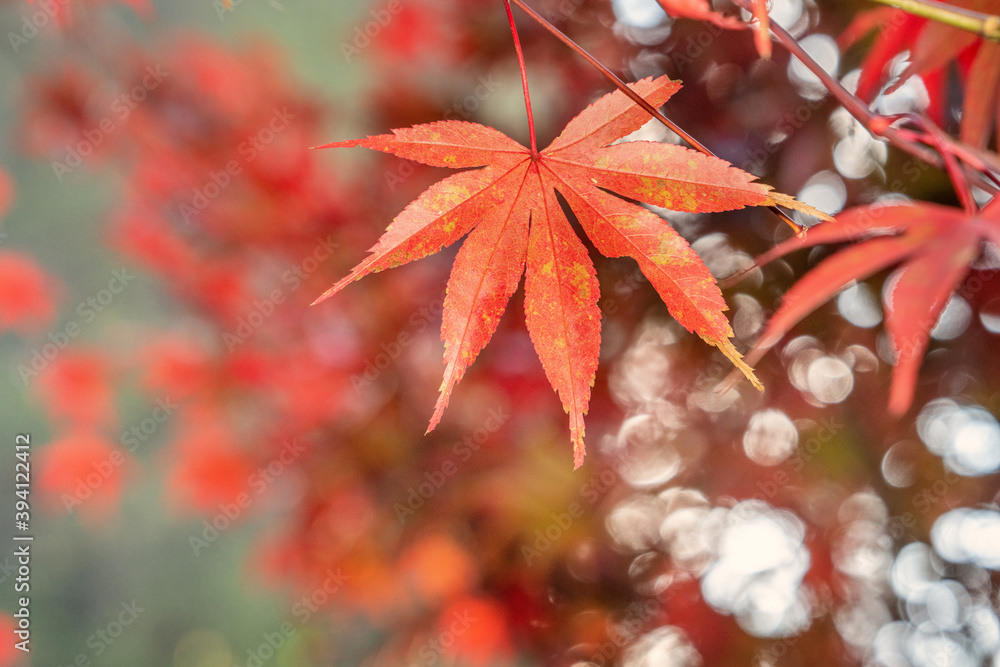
column 516, row 226
column 935, row 246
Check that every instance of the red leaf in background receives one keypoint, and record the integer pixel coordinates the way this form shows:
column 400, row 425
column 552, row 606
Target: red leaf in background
column 26, row 299
column 148, row 239
column 83, row 472
column 480, row 629
column 176, row 367
column 701, row 10
column 207, row 466
column 437, row 568
column 63, row 9
column 76, row 387
column 933, row 47
column 9, row 654
column 936, row 246
column 404, row 38
column 981, row 108
column 6, row 192
column 59, row 110
column 517, row 225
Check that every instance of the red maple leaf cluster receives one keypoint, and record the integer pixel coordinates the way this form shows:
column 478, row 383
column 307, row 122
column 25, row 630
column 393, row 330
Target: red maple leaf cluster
column 935, row 49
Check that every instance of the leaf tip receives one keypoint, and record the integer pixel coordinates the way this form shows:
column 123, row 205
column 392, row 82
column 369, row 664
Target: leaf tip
column 350, row 143
column 323, row 297
column 728, row 349
column 439, row 407
column 579, row 452
column 788, row 201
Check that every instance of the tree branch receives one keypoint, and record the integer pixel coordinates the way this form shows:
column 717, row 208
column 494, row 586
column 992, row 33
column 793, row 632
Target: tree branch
column 980, row 169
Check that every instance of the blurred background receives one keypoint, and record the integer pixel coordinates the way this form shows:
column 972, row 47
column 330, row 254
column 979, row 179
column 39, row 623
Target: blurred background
column 225, row 476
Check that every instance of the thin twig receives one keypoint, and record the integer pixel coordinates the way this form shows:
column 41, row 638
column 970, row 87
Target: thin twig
column 937, row 136
column 978, row 166
column 524, row 80
column 635, row 97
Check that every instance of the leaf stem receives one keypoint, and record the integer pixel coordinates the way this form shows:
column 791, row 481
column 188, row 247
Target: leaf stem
column 524, row 80
column 984, row 25
column 935, row 135
column 611, row 76
column 635, row 97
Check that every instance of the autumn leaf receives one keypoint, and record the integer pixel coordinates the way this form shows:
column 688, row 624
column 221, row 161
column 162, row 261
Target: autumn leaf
column 516, row 226
column 701, row 10
column 934, row 246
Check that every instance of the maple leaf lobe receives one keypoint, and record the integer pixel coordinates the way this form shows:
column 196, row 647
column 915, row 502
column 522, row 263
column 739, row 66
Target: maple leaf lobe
column 509, row 208
column 934, row 246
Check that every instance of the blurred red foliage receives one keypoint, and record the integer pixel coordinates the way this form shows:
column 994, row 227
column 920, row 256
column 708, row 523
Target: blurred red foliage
column 27, row 299
column 76, row 389
column 307, row 415
column 82, row 472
